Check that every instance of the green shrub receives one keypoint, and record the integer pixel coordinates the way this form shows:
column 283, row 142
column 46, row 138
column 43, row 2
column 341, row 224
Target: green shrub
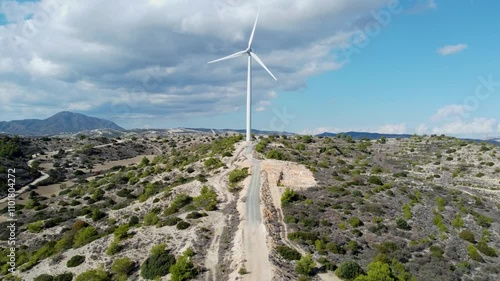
column 85, row 236
column 75, row 261
column 123, row 267
column 348, row 270
column 355, row 222
column 288, row 253
column 97, row 215
column 133, row 221
column 183, row 269
column 94, row 275
column 238, row 175
column 113, row 248
column 195, row 215
column 482, row 220
column 171, row 221
column 275, row 154
column 44, row 277
column 288, row 197
column 402, row 224
column 305, row 265
column 436, row 251
column 303, row 235
column 243, row 271
column 179, row 202
column 35, row 227
column 458, row 222
column 375, row 180
column 158, row 264
column 121, row 232
column 67, row 276
column 151, row 219
column 213, row 163
column 467, row 235
column 483, row 247
column 407, row 211
column 207, row 199
column 474, row 254
column 182, row 225
column 438, row 221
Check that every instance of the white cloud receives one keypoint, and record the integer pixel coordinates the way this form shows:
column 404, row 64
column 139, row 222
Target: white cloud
column 260, row 109
column 477, row 126
column 449, row 111
column 40, row 67
column 421, row 129
column 452, row 49
column 391, row 129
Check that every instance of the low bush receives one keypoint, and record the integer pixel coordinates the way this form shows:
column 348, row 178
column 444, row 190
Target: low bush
column 158, row 264
column 467, row 235
column 348, row 270
column 375, row 180
column 182, row 225
column 123, row 267
column 305, row 265
column 171, row 221
column 75, row 261
column 94, row 275
column 238, row 175
column 402, row 224
column 474, row 254
column 44, row 277
column 275, row 154
column 288, row 253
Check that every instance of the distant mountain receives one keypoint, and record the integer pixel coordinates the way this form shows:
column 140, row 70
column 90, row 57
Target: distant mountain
column 361, row 135
column 62, row 122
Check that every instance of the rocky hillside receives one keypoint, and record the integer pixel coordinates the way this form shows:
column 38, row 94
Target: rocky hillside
column 422, row 208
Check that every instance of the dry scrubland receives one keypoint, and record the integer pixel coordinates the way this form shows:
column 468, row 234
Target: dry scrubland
column 423, row 208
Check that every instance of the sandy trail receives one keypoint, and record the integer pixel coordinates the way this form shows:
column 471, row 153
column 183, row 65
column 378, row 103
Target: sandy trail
column 219, row 184
column 254, row 232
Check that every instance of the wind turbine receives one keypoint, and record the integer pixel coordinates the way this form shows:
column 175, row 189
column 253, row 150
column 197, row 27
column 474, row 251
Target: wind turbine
column 251, row 55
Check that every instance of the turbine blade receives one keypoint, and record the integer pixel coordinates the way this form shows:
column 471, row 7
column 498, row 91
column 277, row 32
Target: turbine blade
column 253, row 31
column 235, row 55
column 254, row 55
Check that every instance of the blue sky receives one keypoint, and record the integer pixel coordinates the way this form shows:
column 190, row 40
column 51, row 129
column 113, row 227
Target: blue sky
column 431, row 68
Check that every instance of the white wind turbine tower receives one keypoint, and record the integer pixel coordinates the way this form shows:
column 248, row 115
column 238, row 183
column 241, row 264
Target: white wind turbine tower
column 251, row 55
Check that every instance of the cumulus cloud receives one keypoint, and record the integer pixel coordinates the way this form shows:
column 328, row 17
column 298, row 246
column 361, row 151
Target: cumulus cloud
column 449, row 111
column 120, row 59
column 477, row 126
column 391, row 129
column 421, row 129
column 452, row 49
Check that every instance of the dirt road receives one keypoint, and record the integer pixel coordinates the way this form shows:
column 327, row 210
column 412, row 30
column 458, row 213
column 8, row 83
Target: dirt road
column 254, row 233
